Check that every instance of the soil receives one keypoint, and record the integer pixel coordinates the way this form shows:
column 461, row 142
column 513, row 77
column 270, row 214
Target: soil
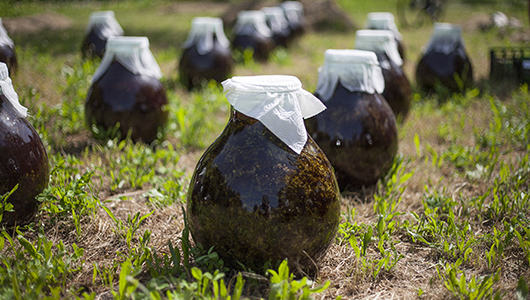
column 36, row 23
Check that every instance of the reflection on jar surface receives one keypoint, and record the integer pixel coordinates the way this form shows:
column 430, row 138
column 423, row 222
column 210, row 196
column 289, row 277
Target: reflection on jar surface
column 135, row 101
column 23, row 161
column 256, row 200
column 398, row 91
column 9, row 57
column 194, row 67
column 358, row 133
column 438, row 68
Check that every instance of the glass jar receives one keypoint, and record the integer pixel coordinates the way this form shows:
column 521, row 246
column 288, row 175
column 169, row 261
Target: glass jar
column 206, row 53
column 126, row 90
column 398, row 91
column 279, row 26
column 358, row 130
column 294, row 13
column 264, row 191
column 444, row 59
column 23, row 158
column 7, row 50
column 385, row 21
column 102, row 25
column 251, row 32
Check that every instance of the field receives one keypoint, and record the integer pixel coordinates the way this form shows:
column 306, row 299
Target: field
column 450, row 221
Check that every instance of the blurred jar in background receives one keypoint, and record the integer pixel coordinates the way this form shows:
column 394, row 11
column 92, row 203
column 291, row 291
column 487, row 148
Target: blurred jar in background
column 279, row 26
column 294, row 13
column 385, row 21
column 445, row 63
column 358, row 130
column 126, row 91
column 206, row 55
column 7, row 50
column 23, row 158
column 251, row 32
column 398, row 91
column 102, row 25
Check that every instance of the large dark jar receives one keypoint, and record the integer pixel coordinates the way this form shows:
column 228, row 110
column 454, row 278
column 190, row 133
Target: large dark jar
column 126, row 90
column 257, row 200
column 7, row 50
column 386, row 21
column 445, row 62
column 398, row 91
column 206, row 54
column 23, row 158
column 102, row 25
column 251, row 32
column 358, row 130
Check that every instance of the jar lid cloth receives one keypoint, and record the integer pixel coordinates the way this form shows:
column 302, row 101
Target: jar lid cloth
column 378, row 41
column 4, row 37
column 202, row 33
column 382, row 21
column 6, row 88
column 107, row 23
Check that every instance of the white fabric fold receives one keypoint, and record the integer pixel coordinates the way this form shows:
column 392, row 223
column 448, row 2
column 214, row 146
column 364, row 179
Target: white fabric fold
column 4, row 37
column 294, row 11
column 276, row 18
column 6, row 88
column 379, row 41
column 277, row 101
column 131, row 52
column 202, row 33
column 249, row 21
column 445, row 38
column 382, row 21
column 107, row 23
column 357, row 70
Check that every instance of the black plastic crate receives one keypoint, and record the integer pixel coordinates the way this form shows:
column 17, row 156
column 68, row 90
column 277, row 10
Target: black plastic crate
column 510, row 64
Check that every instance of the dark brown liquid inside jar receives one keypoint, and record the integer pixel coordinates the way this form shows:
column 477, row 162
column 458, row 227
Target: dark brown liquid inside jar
column 195, row 67
column 261, row 45
column 93, row 45
column 255, row 200
column 436, row 68
column 23, row 161
column 358, row 133
column 398, row 91
column 9, row 57
column 135, row 101
column 281, row 37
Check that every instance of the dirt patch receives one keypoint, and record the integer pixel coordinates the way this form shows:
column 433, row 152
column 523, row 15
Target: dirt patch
column 36, row 23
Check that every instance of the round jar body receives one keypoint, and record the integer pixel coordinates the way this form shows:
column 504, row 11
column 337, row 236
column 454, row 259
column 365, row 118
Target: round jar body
column 437, row 68
column 195, row 67
column 23, row 161
column 9, row 57
column 260, row 44
column 398, row 91
column 257, row 201
column 135, row 101
column 358, row 133
column 93, row 45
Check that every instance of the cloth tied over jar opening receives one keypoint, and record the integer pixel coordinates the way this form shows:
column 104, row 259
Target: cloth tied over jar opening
column 357, row 70
column 445, row 38
column 382, row 21
column 277, row 101
column 132, row 53
column 379, row 41
column 249, row 21
column 4, row 38
column 203, row 32
column 107, row 23
column 6, row 88
column 276, row 18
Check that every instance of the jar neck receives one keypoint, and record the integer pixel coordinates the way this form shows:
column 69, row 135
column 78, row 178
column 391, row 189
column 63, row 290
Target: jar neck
column 236, row 116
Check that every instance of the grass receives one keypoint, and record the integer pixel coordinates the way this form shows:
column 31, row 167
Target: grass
column 450, row 220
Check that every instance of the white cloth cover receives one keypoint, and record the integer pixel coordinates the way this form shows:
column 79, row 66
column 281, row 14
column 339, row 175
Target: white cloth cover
column 107, row 22
column 131, row 52
column 249, row 21
column 202, row 33
column 356, row 70
column 277, row 101
column 445, row 38
column 276, row 17
column 379, row 41
column 4, row 38
column 6, row 88
column 382, row 21
column 293, row 9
